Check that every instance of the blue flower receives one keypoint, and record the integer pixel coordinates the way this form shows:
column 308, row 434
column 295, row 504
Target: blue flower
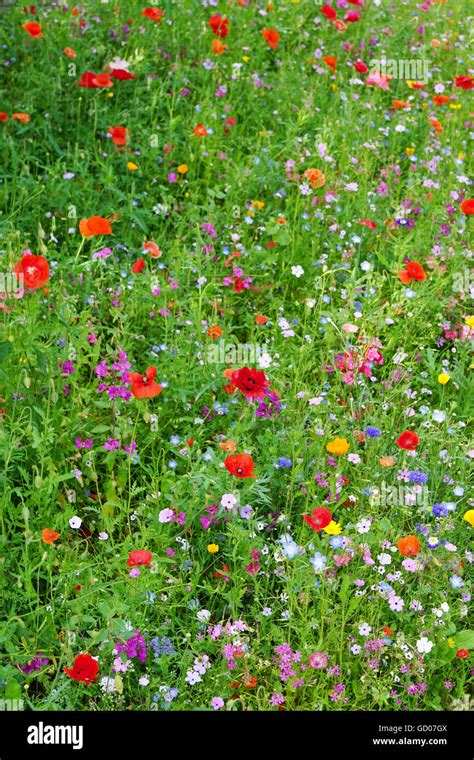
column 372, row 432
column 318, row 562
column 284, row 462
column 417, row 477
column 439, row 510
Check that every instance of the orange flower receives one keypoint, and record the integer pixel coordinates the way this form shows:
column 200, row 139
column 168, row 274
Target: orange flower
column 434, row 123
column 400, row 104
column 409, row 546
column 386, row 461
column 272, row 37
column 69, row 52
column 438, row 100
column 330, row 61
column 23, row 118
column 218, row 47
column 152, row 249
column 228, row 446
column 49, row 536
column 102, row 80
column 214, row 331
column 315, row 177
column 467, row 206
column 200, row 130
column 261, row 319
column 96, row 225
column 33, row 29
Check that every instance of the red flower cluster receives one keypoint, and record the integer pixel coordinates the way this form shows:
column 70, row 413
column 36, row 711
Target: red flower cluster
column 412, row 271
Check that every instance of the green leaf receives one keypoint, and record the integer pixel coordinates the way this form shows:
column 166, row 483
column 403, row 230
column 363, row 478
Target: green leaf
column 464, row 639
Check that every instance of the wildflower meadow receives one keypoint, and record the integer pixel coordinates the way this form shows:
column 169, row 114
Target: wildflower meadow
column 236, row 333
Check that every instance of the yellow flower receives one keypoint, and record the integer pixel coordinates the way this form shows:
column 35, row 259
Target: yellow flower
column 245, row 58
column 469, row 516
column 132, row 167
column 469, row 321
column 409, row 151
column 258, row 205
column 182, row 168
column 338, row 446
column 334, row 528
column 443, row 378
column 213, row 548
column 451, row 643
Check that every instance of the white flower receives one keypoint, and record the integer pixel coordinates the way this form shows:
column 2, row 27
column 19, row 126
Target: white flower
column 424, row 645
column 143, row 681
column 264, row 360
column 75, row 522
column 365, row 629
column 203, row 616
column 365, row 266
column 438, row 416
column 297, row 271
column 363, row 526
column 229, row 500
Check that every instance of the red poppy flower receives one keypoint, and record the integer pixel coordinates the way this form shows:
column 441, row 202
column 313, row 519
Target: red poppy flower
column 252, row 382
column 219, row 25
column 412, row 271
column 154, row 14
column 87, row 79
column 34, row 270
column 200, row 130
column 272, row 37
column 240, row 465
column 408, row 440
column 438, row 100
column 144, row 386
column 102, row 80
column 329, row 12
column 387, row 631
column 361, row 67
column 96, row 225
column 138, row 266
column 368, row 223
column 33, row 29
column 464, row 82
column 409, row 546
column 319, row 518
column 4, row 117
column 330, row 61
column 463, row 654
column 467, row 206
column 139, row 557
column 121, row 74
column 119, row 135
column 85, row 669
